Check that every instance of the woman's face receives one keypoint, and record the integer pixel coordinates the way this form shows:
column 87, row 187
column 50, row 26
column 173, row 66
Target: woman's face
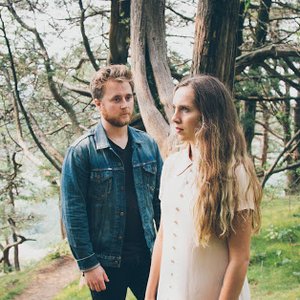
column 186, row 116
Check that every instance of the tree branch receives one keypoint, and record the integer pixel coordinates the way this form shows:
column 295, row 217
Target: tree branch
column 80, row 91
column 259, row 55
column 17, row 94
column 47, row 62
column 269, row 129
column 44, row 141
column 292, row 66
column 267, row 99
column 85, row 38
column 286, row 148
column 188, row 19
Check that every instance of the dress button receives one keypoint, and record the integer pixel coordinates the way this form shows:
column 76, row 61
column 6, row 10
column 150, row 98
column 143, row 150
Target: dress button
column 177, row 208
column 173, row 247
column 176, row 222
column 172, row 261
column 174, row 234
column 181, row 195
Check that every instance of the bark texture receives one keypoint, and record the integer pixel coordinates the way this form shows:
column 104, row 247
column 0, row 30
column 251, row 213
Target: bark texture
column 216, row 39
column 148, row 36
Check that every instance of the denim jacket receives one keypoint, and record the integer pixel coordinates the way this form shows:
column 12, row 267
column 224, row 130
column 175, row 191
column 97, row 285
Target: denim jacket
column 93, row 200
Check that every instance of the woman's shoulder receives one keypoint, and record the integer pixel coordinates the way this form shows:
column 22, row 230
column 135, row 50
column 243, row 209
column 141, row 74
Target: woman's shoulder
column 173, row 159
column 175, row 155
column 245, row 189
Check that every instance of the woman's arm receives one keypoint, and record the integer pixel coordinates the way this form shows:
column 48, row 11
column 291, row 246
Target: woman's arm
column 239, row 256
column 155, row 267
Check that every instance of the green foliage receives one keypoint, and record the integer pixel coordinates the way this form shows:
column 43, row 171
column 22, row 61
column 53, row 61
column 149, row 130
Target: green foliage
column 62, row 249
column 282, row 234
column 275, row 262
column 247, row 4
column 13, row 284
column 74, row 292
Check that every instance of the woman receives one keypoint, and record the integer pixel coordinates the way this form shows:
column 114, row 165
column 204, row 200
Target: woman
column 210, row 200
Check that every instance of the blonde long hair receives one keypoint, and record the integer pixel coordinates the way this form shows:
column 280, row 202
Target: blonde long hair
column 222, row 148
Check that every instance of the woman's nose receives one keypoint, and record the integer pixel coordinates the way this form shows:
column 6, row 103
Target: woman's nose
column 175, row 117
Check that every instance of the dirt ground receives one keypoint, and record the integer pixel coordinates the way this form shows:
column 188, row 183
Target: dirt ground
column 48, row 281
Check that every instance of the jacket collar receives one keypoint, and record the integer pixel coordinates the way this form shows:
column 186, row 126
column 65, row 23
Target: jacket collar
column 185, row 162
column 102, row 140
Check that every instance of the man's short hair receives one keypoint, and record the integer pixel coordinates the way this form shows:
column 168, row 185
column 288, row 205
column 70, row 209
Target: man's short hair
column 112, row 72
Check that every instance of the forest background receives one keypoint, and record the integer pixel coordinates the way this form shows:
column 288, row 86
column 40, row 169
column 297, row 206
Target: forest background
column 49, row 51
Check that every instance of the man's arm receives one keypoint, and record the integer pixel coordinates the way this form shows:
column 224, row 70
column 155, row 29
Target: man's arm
column 74, row 186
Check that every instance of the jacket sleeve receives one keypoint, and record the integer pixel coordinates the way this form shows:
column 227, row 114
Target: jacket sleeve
column 74, row 186
column 156, row 200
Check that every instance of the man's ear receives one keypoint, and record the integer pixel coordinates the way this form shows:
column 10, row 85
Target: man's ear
column 97, row 102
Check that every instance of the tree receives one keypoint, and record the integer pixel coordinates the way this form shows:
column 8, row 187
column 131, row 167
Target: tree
column 266, row 66
column 148, row 43
column 215, row 39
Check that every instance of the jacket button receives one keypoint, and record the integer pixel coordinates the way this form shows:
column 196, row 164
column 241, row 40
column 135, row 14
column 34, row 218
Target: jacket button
column 122, row 213
column 120, row 237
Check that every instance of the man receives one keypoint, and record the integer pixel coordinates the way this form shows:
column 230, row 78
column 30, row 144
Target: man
column 110, row 183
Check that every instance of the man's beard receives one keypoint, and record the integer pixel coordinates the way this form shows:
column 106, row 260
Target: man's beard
column 115, row 121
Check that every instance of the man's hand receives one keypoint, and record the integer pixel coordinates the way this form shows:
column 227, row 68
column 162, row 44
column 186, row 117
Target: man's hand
column 96, row 279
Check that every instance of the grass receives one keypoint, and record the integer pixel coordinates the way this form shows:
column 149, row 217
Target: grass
column 73, row 292
column 274, row 271
column 12, row 284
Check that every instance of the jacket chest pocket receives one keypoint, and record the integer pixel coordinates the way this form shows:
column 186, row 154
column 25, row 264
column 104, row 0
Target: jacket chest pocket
column 149, row 175
column 100, row 185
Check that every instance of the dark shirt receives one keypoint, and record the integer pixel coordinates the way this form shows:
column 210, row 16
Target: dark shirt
column 134, row 240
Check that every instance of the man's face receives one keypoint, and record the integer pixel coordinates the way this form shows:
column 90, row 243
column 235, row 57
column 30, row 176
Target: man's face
column 116, row 105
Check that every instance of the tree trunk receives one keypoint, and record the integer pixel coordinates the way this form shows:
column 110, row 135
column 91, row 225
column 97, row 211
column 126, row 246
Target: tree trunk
column 147, row 19
column 248, row 122
column 266, row 117
column 7, row 267
column 119, row 33
column 216, row 39
column 293, row 175
column 286, row 137
column 260, row 38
